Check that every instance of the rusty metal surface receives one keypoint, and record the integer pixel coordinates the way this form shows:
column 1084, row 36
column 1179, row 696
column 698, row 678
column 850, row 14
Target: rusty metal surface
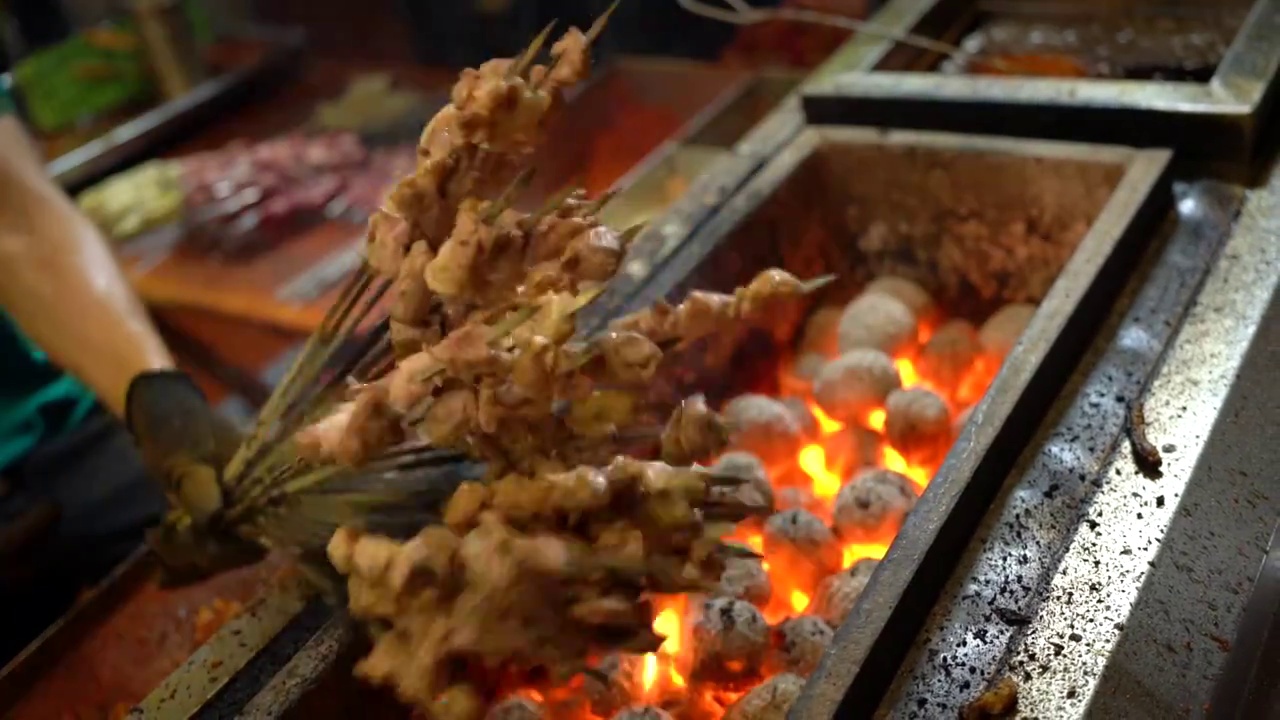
column 1104, row 592
column 700, row 148
column 1219, row 119
column 23, row 671
column 674, row 97
column 192, row 686
column 120, row 642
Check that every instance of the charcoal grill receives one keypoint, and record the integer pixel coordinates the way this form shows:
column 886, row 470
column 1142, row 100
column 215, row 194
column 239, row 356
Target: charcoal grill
column 809, row 186
column 1219, row 119
column 1078, row 555
column 1079, row 560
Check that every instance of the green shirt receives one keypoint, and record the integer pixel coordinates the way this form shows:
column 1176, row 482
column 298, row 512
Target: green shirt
column 37, row 400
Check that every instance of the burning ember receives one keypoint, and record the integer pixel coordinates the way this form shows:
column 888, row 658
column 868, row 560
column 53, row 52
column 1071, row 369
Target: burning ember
column 870, row 404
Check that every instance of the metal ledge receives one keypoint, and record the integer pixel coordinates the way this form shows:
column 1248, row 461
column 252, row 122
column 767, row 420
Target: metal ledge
column 1103, row 592
column 1219, row 119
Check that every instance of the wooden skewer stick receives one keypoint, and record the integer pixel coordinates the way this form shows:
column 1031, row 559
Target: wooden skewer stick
column 498, row 334
column 280, row 399
column 292, row 415
column 508, row 196
column 815, row 284
column 592, row 34
column 595, row 206
column 526, row 58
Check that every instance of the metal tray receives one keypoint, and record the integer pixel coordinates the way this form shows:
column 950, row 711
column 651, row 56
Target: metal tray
column 1220, row 119
column 700, row 148
column 813, row 180
column 713, row 162
column 274, row 51
column 102, row 619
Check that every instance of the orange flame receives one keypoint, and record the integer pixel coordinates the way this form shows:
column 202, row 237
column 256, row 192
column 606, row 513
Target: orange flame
column 853, row 552
column 813, row 460
column 826, row 461
column 827, row 424
column 650, row 673
column 907, row 371
column 659, row 673
column 975, row 382
column 667, row 624
column 892, row 460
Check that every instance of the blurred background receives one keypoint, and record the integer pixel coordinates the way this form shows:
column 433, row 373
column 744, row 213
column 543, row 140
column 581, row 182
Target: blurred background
column 233, row 148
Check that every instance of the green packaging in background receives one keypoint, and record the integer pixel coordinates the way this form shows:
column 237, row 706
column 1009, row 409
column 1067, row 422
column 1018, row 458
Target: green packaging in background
column 95, row 72
column 201, row 21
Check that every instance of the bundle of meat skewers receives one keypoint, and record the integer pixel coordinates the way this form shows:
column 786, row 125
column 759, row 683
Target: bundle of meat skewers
column 561, row 516
column 550, row 558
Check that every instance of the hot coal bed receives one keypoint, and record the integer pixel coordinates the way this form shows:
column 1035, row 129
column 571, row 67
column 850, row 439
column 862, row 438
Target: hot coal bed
column 875, row 421
column 962, row 264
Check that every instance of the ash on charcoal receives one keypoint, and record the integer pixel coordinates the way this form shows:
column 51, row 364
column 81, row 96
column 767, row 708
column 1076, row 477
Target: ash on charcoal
column 800, row 541
column 762, row 425
column 819, row 335
column 949, row 353
column 967, row 255
column 837, row 594
column 801, row 642
column 804, row 417
column 731, row 639
column 1001, row 331
column 918, row 425
column 876, row 322
column 757, row 491
column 745, row 579
column 516, row 708
column 854, row 384
column 796, row 497
column 770, row 700
column 642, row 712
column 873, row 505
column 907, row 292
column 613, row 684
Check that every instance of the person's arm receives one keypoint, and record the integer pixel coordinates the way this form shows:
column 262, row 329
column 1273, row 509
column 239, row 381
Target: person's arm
column 60, row 283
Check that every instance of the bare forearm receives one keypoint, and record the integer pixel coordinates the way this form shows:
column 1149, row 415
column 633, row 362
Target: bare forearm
column 60, row 282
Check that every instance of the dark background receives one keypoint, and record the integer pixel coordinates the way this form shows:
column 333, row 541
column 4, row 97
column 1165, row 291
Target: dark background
column 453, row 33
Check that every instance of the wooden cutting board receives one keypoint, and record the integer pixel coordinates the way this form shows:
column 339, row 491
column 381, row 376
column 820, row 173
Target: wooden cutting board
column 288, row 285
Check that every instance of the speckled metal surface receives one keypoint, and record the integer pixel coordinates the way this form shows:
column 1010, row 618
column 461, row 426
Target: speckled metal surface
column 301, row 674
column 1246, row 688
column 1103, row 592
column 224, row 657
column 1177, row 639
column 233, row 699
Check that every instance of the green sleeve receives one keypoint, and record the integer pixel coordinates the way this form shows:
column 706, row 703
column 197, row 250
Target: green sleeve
column 6, row 100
